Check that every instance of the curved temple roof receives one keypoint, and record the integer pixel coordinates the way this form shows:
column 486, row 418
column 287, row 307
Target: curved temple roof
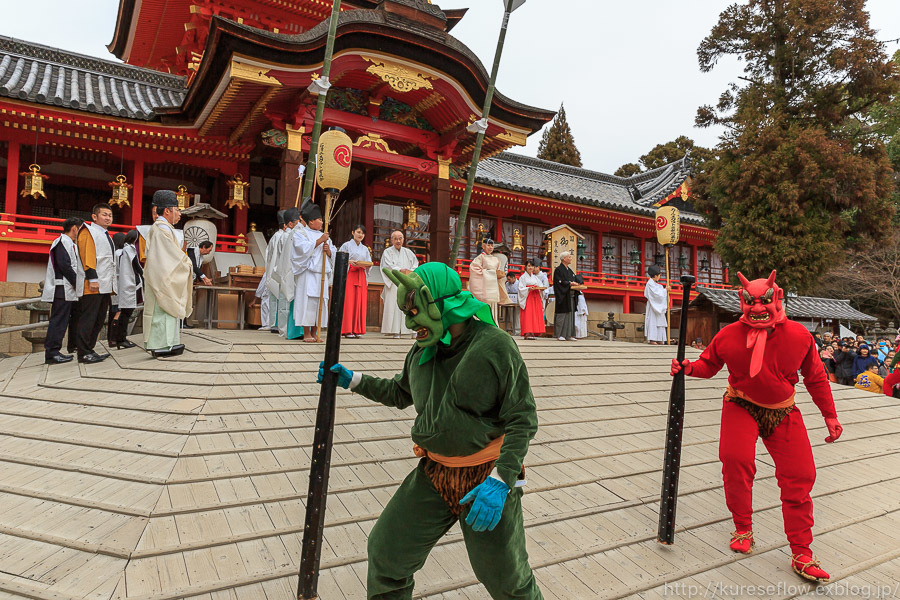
column 797, row 307
column 528, row 175
column 45, row 75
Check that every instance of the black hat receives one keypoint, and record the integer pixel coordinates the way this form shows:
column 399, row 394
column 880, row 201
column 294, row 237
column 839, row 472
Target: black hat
column 487, row 241
column 280, row 217
column 653, row 271
column 164, row 199
column 291, row 214
column 311, row 212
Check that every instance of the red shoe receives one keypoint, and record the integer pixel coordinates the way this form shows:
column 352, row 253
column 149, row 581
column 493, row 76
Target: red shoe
column 742, row 541
column 808, row 568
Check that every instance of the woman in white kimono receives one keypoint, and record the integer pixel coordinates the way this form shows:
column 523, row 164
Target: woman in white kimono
column 531, row 300
column 485, row 277
column 354, row 322
column 657, row 303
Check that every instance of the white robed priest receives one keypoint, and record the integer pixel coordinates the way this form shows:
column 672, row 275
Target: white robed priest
column 398, row 258
column 657, row 303
column 168, row 277
column 312, row 251
column 287, row 325
column 275, row 278
column 268, row 302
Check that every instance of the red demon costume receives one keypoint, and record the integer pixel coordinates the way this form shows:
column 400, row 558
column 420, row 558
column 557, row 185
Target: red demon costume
column 763, row 352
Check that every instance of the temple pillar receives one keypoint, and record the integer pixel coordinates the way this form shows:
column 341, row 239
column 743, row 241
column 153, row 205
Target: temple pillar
column 643, row 269
column 291, row 159
column 369, row 208
column 694, row 260
column 12, row 179
column 440, row 213
column 498, row 233
column 137, row 196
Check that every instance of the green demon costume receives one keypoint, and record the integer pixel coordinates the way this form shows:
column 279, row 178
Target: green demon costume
column 475, row 416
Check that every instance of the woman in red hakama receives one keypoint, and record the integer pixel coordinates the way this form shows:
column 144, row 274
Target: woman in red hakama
column 354, row 323
column 531, row 300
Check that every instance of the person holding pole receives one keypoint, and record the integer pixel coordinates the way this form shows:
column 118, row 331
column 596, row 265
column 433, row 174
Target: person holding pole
column 312, row 258
column 476, row 416
column 655, row 323
column 764, row 352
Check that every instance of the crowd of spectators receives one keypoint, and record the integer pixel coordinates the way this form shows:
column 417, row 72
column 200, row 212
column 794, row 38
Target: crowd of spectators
column 857, row 362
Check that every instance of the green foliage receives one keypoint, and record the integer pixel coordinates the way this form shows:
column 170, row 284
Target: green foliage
column 558, row 143
column 663, row 154
column 796, row 182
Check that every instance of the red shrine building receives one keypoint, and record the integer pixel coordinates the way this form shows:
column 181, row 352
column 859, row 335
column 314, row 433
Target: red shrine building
column 214, row 95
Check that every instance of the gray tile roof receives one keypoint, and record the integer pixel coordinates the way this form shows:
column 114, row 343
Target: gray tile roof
column 46, row 75
column 529, row 175
column 798, row 307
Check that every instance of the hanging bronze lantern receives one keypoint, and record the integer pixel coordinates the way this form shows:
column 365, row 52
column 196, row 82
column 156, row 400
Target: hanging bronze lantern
column 412, row 216
column 120, row 189
column 517, row 241
column 183, row 197
column 635, row 255
column 34, row 182
column 607, row 250
column 704, row 264
column 683, row 261
column 237, row 196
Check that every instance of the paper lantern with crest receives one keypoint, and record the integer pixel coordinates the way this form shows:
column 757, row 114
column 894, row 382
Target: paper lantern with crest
column 335, row 157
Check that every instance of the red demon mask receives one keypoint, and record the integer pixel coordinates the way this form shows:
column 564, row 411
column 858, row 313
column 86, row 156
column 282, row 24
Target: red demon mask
column 762, row 303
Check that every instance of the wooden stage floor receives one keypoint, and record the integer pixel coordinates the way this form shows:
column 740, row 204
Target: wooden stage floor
column 169, row 479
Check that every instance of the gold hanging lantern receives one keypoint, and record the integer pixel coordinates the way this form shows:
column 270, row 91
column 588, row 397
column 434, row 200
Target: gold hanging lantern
column 548, row 243
column 120, row 189
column 34, row 182
column 668, row 225
column 334, row 159
column 517, row 241
column 183, row 197
column 237, row 196
column 387, row 242
column 480, row 234
column 412, row 216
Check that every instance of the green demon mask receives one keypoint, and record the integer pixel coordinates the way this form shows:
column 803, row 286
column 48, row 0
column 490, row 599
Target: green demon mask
column 417, row 303
column 432, row 299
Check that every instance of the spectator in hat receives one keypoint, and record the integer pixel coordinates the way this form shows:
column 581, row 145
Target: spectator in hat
column 862, row 360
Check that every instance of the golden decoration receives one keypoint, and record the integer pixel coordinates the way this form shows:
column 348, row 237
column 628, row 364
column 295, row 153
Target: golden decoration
column 513, row 137
column 119, row 191
column 480, row 234
column 252, row 226
column 241, row 244
column 517, row 241
column 237, row 196
column 252, row 73
column 373, row 141
column 400, row 78
column 34, row 182
column 183, row 197
column 412, row 212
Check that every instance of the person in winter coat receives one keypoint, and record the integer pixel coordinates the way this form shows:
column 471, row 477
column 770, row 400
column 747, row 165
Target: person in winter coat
column 843, row 364
column 862, row 361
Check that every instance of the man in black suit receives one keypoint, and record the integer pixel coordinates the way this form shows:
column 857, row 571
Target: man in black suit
column 61, row 288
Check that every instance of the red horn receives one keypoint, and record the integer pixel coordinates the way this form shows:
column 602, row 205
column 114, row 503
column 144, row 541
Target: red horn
column 770, row 282
column 743, row 279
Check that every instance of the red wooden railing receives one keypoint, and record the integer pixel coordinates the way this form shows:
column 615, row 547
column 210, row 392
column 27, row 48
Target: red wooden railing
column 43, row 230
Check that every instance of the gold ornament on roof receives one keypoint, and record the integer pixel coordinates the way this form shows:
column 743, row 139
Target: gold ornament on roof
column 373, row 141
column 237, row 195
column 34, row 182
column 401, row 79
column 120, row 189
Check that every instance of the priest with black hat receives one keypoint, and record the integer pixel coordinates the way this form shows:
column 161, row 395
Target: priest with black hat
column 312, row 258
column 168, row 278
column 655, row 323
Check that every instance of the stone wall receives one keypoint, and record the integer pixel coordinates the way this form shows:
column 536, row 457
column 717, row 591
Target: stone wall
column 13, row 344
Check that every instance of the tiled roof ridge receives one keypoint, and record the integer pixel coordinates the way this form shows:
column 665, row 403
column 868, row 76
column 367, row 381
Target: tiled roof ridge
column 549, row 165
column 93, row 64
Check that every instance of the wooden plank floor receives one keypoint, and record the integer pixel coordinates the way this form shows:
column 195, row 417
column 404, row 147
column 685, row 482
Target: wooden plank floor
column 162, row 480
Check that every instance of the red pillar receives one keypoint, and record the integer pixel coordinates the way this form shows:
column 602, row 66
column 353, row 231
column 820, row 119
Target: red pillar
column 626, row 304
column 694, row 260
column 643, row 270
column 137, row 197
column 440, row 214
column 12, row 180
column 499, row 232
column 369, row 208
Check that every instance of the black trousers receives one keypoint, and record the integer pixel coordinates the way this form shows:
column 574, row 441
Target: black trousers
column 60, row 312
column 118, row 327
column 91, row 314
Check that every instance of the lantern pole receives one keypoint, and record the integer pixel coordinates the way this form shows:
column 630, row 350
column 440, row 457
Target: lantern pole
column 668, row 299
column 481, row 127
column 320, row 88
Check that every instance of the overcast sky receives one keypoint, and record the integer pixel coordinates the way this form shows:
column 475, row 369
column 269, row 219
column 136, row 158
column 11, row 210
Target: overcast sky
column 626, row 71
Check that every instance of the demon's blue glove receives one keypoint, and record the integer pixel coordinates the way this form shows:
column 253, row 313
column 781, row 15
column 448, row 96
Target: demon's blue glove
column 487, row 508
column 345, row 375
